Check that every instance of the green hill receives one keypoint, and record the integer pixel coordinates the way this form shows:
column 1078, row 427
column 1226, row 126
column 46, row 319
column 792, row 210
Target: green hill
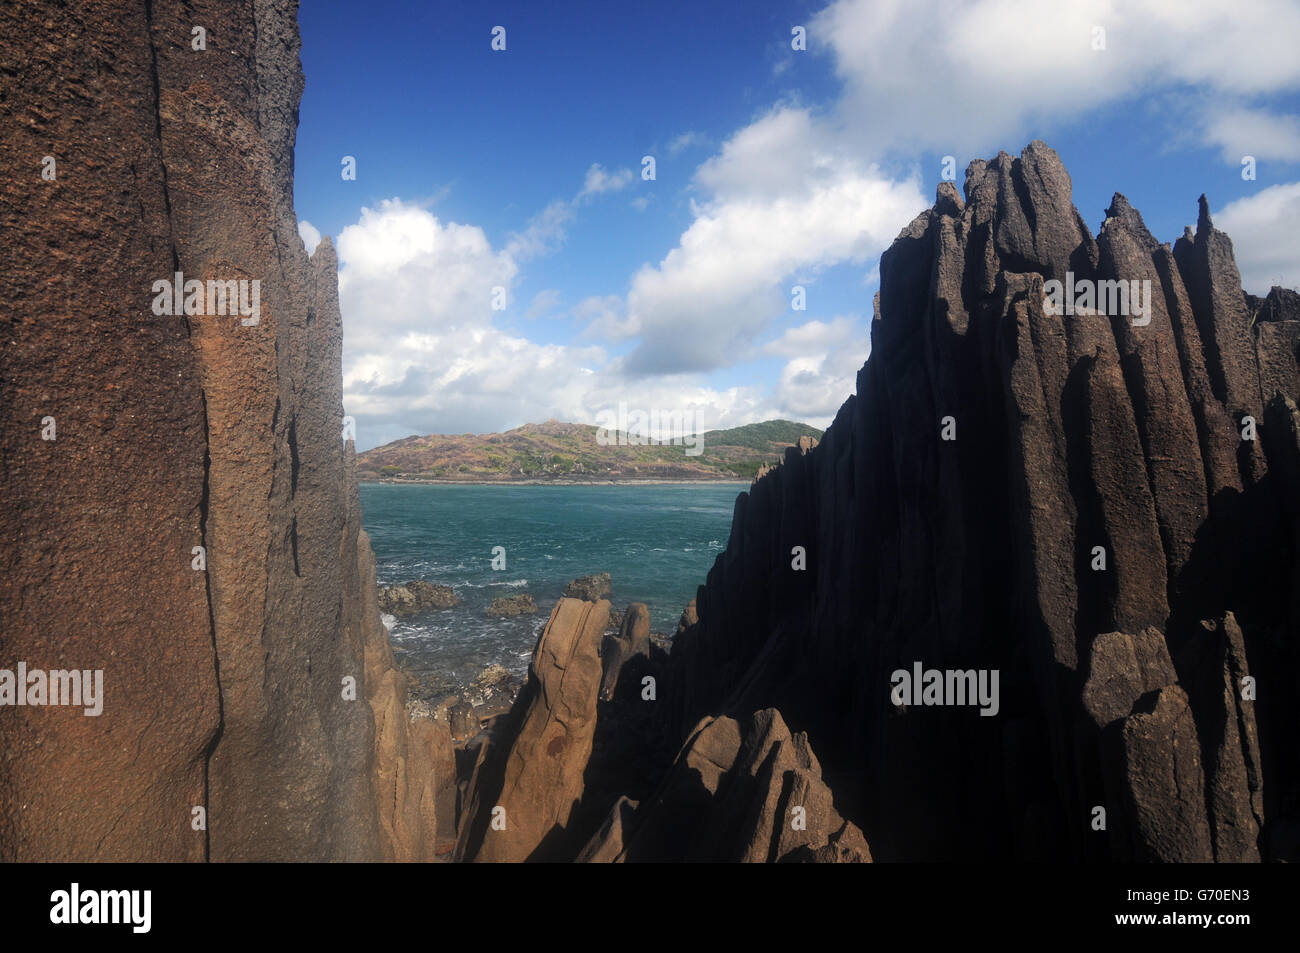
column 763, row 436
column 559, row 452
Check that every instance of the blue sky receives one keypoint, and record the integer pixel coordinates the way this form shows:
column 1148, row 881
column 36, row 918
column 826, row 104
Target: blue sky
column 521, row 170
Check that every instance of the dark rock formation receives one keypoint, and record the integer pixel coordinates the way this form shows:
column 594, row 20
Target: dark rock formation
column 504, row 606
column 751, row 794
column 416, row 596
column 1101, row 507
column 251, row 680
column 956, row 514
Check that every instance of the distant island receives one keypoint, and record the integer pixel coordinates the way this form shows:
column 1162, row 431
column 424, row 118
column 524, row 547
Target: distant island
column 557, row 452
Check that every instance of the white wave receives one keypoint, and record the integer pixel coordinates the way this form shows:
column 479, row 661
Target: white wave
column 388, row 620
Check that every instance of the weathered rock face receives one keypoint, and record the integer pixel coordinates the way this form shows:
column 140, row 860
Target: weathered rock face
column 1074, row 500
column 563, row 775
column 225, row 684
column 530, row 778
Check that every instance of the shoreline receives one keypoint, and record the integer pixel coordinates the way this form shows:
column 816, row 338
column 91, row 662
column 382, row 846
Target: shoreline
column 394, row 482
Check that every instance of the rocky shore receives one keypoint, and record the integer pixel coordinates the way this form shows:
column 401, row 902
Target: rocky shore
column 1104, row 513
column 416, row 596
column 1112, row 529
column 473, row 705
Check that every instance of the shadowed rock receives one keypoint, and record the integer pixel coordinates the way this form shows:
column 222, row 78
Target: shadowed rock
column 531, row 780
column 749, row 794
column 632, row 640
column 507, row 606
column 1100, row 478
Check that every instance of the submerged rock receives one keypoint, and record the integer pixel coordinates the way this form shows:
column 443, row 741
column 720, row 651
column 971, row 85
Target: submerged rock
column 591, row 588
column 416, row 596
column 509, row 606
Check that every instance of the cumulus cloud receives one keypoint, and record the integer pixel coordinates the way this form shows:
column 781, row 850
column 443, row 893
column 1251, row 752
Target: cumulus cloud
column 796, row 191
column 544, row 233
column 310, row 236
column 791, row 194
column 1254, row 132
column 824, row 358
column 1264, row 237
column 783, row 196
column 820, row 337
column 920, row 74
column 424, row 352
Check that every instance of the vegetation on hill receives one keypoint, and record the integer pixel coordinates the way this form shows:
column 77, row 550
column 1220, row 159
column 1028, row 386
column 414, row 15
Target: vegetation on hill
column 561, row 452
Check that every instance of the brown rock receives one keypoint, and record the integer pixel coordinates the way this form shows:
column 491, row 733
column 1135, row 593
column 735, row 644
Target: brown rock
column 689, row 617
column 536, row 776
column 507, row 606
column 591, row 588
column 616, row 651
column 251, row 686
column 416, row 596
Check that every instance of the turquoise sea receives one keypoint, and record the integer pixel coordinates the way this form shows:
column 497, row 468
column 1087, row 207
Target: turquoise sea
column 657, row 542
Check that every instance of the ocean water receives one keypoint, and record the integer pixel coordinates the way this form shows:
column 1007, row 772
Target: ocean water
column 657, row 542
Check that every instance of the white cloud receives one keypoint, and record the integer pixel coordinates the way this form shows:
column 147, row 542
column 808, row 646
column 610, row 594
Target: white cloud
column 1254, row 132
column 603, row 318
column 824, row 358
column 820, row 337
column 310, row 236
column 679, row 144
column 598, row 181
column 423, row 352
column 544, row 301
column 1264, row 237
column 967, row 76
column 544, row 233
column 783, row 197
column 795, row 191
column 791, row 194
